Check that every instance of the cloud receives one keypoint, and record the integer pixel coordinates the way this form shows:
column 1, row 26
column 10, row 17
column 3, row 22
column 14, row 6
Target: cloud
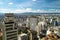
column 34, row 0
column 23, row 10
column 4, row 10
column 26, row 4
column 10, row 3
column 28, row 10
column 37, row 11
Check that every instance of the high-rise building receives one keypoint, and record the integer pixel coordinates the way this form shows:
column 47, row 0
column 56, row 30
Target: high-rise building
column 10, row 31
column 33, row 21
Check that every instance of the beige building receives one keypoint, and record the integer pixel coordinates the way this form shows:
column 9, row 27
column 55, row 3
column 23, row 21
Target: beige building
column 10, row 31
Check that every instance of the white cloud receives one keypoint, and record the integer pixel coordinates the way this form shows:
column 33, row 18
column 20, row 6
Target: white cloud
column 28, row 10
column 2, row 10
column 34, row 0
column 23, row 10
column 19, row 11
column 25, row 4
column 10, row 3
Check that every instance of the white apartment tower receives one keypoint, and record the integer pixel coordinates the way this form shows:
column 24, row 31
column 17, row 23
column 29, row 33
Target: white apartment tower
column 10, row 31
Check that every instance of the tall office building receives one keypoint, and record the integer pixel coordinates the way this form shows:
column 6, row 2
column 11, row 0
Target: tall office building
column 10, row 31
column 33, row 21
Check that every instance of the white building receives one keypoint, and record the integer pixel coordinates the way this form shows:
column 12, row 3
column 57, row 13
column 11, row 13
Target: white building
column 23, row 36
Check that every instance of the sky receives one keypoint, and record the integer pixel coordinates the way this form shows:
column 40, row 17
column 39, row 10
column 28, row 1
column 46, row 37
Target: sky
column 20, row 6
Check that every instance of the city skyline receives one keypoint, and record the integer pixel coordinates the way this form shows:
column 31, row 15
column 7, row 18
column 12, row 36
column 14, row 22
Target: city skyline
column 20, row 6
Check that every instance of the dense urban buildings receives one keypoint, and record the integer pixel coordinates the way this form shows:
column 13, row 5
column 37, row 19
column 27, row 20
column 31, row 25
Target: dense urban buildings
column 29, row 27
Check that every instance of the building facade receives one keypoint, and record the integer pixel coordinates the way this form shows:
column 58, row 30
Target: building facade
column 10, row 31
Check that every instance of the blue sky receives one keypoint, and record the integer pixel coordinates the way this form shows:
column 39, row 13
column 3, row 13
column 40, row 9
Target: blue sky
column 19, row 6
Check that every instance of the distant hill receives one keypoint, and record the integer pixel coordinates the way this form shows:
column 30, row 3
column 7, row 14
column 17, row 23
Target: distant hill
column 30, row 13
